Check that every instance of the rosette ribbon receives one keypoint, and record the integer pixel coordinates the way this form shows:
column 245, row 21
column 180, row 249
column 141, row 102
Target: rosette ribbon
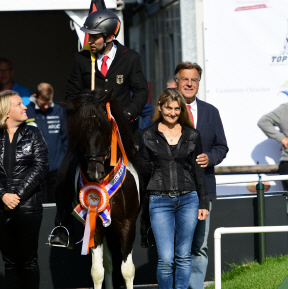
column 94, row 198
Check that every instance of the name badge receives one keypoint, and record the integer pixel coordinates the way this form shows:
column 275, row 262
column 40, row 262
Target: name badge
column 119, row 79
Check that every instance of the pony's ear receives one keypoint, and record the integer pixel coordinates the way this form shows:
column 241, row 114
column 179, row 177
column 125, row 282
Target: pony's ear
column 69, row 105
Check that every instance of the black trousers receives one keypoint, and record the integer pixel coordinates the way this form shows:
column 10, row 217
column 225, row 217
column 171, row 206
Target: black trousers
column 19, row 235
column 283, row 170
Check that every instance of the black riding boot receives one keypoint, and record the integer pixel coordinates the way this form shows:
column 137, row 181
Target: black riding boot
column 147, row 236
column 64, row 196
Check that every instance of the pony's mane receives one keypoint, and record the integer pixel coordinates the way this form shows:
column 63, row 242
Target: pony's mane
column 87, row 113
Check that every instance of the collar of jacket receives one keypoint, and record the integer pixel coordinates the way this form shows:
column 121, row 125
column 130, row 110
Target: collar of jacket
column 154, row 126
column 22, row 130
column 120, row 48
column 38, row 110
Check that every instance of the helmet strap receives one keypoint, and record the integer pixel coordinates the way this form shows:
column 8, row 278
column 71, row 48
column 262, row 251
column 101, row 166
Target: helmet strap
column 105, row 45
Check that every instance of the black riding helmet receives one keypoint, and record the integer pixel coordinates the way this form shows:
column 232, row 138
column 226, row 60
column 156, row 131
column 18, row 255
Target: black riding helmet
column 102, row 21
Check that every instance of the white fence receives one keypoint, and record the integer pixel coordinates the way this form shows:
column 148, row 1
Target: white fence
column 241, row 230
column 246, row 179
column 236, row 230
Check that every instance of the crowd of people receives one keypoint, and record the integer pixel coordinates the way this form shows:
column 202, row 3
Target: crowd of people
column 178, row 149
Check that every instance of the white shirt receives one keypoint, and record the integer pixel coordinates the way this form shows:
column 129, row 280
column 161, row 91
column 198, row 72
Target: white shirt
column 193, row 109
column 110, row 54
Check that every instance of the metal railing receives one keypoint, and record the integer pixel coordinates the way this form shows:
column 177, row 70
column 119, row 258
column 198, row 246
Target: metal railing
column 236, row 230
column 261, row 228
column 251, row 178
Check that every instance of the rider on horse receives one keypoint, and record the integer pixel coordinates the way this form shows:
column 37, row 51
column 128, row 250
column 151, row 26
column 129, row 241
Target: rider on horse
column 124, row 75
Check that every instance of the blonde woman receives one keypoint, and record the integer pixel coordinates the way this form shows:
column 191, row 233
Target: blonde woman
column 23, row 166
column 176, row 186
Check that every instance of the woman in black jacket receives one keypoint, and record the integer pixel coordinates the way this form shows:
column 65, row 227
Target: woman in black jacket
column 175, row 184
column 23, row 166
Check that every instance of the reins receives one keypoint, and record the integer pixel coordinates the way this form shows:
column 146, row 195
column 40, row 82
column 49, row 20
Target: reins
column 115, row 139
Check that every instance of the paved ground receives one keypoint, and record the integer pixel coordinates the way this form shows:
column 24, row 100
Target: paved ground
column 284, row 285
column 208, row 283
column 151, row 286
column 154, row 286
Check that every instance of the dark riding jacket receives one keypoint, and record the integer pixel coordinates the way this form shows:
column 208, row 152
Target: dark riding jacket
column 178, row 171
column 125, row 77
column 30, row 168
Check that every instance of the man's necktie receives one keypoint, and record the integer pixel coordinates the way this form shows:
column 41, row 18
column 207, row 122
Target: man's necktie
column 104, row 67
column 190, row 112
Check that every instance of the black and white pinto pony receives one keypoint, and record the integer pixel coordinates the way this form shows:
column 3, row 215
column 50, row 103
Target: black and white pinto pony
column 98, row 132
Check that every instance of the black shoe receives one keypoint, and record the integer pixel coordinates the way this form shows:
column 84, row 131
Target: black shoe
column 59, row 238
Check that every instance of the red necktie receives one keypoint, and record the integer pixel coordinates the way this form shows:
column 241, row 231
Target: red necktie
column 104, row 67
column 190, row 112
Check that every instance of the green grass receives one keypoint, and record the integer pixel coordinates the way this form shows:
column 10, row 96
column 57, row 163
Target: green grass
column 269, row 275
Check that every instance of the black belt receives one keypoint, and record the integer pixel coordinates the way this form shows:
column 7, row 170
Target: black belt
column 171, row 194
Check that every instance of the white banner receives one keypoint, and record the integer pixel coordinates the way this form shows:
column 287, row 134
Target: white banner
column 30, row 5
column 246, row 65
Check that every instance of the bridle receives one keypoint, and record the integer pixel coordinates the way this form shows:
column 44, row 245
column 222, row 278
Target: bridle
column 97, row 157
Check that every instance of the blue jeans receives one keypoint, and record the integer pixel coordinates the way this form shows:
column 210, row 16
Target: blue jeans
column 199, row 253
column 173, row 223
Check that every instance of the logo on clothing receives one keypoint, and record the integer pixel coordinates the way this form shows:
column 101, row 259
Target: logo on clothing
column 32, row 123
column 26, row 149
column 119, row 79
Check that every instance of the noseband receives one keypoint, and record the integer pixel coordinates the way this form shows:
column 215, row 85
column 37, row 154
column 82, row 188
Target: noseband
column 96, row 157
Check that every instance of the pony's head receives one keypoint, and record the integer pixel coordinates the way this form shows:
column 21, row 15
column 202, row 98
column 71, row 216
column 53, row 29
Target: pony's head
column 90, row 131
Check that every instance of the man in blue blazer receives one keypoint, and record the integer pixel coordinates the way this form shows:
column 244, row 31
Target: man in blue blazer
column 207, row 121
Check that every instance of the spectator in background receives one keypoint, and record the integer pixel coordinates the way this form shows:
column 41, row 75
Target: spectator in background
column 49, row 117
column 171, row 83
column 268, row 123
column 146, row 115
column 7, row 83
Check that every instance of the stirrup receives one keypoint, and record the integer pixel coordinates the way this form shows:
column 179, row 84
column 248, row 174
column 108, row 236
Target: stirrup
column 52, row 235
